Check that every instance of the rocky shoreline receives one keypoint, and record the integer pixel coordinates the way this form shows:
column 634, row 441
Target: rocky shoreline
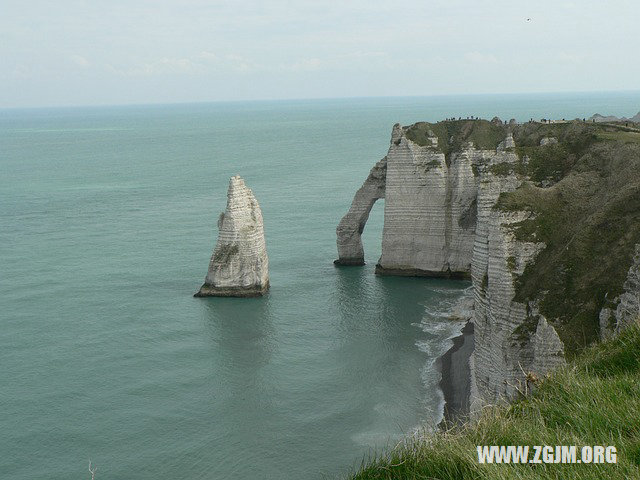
column 455, row 381
column 417, row 272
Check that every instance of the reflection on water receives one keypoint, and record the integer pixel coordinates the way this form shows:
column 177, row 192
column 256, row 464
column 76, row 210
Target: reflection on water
column 240, row 330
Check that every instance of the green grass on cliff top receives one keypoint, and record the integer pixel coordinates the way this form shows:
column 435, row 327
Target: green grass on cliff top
column 452, row 134
column 595, row 400
column 574, row 136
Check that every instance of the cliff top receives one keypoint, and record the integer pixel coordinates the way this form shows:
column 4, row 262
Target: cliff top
column 453, row 134
column 485, row 134
column 574, row 137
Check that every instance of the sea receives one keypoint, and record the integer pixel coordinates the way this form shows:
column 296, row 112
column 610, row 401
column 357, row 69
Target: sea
column 107, row 222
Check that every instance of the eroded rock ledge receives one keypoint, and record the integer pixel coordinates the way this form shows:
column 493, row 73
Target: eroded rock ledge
column 239, row 266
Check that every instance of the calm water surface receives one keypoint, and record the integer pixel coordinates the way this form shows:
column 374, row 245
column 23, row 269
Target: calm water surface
column 107, row 222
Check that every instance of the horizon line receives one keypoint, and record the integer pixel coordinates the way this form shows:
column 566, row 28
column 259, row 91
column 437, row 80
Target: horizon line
column 302, row 99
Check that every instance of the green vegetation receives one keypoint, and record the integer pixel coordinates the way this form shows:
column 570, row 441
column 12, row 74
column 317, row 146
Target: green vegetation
column 224, row 253
column 502, row 169
column 622, row 136
column 575, row 136
column 430, row 166
column 485, row 282
column 553, row 161
column 453, row 134
column 589, row 220
column 522, row 334
column 593, row 401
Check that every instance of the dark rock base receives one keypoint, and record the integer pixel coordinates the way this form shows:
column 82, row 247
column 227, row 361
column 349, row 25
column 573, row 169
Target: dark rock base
column 416, row 272
column 213, row 291
column 349, row 262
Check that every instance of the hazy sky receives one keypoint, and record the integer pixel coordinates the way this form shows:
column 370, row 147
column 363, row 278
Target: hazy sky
column 73, row 52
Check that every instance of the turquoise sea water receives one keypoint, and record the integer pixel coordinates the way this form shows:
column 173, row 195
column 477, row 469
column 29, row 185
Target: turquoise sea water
column 107, row 222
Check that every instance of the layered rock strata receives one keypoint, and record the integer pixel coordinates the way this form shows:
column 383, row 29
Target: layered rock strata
column 512, row 339
column 239, row 266
column 429, row 212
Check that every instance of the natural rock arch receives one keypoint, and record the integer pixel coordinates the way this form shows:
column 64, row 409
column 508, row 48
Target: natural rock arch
column 350, row 228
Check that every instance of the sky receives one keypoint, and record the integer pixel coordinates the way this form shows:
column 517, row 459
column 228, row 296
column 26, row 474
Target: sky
column 74, row 52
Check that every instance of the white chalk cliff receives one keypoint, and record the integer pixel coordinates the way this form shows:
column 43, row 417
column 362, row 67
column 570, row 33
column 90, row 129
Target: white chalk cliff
column 440, row 220
column 239, row 265
column 429, row 211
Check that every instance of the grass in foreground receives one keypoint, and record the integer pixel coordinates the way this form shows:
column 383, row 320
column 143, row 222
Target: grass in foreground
column 595, row 400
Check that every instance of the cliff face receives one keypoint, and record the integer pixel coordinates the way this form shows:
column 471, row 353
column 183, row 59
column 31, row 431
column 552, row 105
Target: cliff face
column 568, row 230
column 511, row 338
column 239, row 266
column 429, row 211
column 544, row 217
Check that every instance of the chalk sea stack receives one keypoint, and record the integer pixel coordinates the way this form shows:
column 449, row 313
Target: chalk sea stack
column 239, row 265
